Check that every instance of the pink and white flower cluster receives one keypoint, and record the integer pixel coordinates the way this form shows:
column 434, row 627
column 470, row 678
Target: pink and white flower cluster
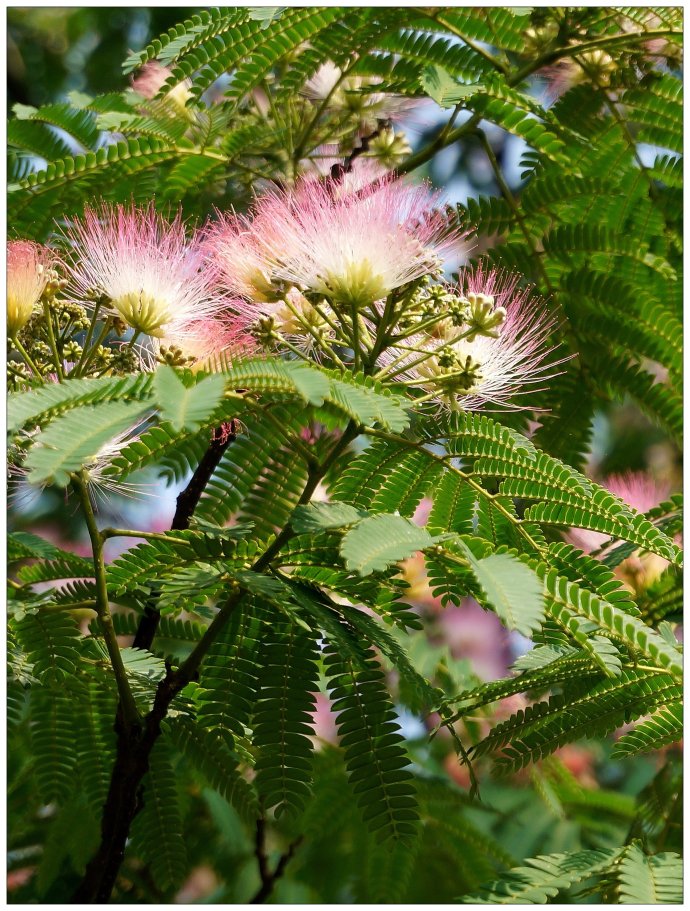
column 312, row 268
column 499, row 352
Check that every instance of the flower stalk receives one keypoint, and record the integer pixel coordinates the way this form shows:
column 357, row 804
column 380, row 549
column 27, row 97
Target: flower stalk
column 130, row 712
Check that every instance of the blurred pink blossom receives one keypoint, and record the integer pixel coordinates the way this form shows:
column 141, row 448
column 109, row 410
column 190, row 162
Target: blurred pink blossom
column 151, row 79
column 636, row 488
column 28, row 271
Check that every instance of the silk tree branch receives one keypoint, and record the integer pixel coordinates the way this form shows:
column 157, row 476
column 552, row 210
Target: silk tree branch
column 268, row 877
column 135, row 743
column 187, row 502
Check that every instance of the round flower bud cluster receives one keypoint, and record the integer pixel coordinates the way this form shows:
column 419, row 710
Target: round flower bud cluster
column 355, row 96
column 389, row 148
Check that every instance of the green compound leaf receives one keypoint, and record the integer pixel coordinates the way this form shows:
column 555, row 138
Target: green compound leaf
column 541, row 879
column 75, row 439
column 664, row 727
column 375, row 543
column 511, row 588
column 316, row 517
column 39, row 405
column 649, row 880
column 443, row 89
column 187, row 408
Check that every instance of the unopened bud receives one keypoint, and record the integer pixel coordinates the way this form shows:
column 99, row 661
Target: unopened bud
column 389, row 148
column 484, row 318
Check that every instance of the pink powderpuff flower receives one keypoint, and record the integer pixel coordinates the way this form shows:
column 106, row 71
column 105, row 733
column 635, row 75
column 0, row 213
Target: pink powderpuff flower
column 354, row 248
column 28, row 272
column 505, row 352
column 242, row 258
column 151, row 79
column 154, row 278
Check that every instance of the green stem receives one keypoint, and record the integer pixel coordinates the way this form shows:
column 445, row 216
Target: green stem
column 94, row 348
column 190, row 666
column 317, row 338
column 130, row 712
column 625, row 129
column 145, row 535
column 87, row 339
column 326, row 318
column 381, row 341
column 441, row 141
column 51, row 339
column 355, row 336
column 425, row 353
column 417, row 328
column 302, row 141
column 25, row 354
column 88, row 604
column 515, row 208
column 313, row 480
column 295, row 350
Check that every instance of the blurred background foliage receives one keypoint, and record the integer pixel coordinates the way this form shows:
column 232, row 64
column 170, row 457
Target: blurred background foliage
column 55, row 50
column 578, row 799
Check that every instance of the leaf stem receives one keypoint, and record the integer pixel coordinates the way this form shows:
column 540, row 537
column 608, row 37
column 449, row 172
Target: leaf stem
column 136, row 533
column 514, row 207
column 94, row 348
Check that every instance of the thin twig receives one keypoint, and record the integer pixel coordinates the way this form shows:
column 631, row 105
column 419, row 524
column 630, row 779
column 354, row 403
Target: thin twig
column 268, row 878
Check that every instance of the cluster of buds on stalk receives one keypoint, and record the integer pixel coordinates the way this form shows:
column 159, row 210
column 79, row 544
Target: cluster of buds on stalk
column 354, row 102
column 485, row 342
